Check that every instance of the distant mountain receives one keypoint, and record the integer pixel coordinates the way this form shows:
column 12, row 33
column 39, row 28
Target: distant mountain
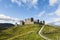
column 5, row 25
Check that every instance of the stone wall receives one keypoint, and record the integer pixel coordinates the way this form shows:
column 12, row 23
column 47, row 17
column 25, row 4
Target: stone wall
column 29, row 21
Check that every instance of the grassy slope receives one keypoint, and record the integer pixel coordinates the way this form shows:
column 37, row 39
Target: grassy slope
column 15, row 31
column 51, row 32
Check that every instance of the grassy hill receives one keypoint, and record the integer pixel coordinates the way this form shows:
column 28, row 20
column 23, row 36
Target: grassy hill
column 29, row 32
column 24, row 32
column 51, row 32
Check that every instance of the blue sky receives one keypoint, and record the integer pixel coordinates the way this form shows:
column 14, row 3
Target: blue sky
column 48, row 10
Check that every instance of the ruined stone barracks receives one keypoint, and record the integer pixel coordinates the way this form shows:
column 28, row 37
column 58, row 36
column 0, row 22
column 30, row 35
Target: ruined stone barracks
column 29, row 21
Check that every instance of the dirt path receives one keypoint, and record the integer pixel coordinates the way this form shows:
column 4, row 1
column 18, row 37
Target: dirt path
column 43, row 35
column 20, row 35
column 29, row 33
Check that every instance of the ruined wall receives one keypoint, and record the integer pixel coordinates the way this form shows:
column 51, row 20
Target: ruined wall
column 22, row 22
column 29, row 21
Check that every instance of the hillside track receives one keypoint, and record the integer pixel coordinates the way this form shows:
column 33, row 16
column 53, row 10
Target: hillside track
column 41, row 34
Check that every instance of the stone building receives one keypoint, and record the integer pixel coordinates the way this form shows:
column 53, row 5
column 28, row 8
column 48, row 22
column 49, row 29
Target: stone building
column 22, row 22
column 31, row 21
column 36, row 21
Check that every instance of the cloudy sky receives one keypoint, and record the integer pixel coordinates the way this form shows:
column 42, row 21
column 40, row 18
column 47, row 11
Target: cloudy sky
column 48, row 10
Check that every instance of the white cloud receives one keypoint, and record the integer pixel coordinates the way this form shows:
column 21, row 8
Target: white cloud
column 3, row 16
column 34, row 2
column 52, row 2
column 16, row 1
column 29, row 3
column 7, row 18
column 41, row 13
column 50, row 14
column 57, row 23
column 53, row 20
column 57, row 12
column 56, row 19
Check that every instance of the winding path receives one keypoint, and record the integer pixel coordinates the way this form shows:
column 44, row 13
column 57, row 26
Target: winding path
column 43, row 35
column 29, row 33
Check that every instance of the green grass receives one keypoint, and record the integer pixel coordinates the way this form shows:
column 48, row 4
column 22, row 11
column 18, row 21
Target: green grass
column 51, row 32
column 19, row 30
column 31, row 36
